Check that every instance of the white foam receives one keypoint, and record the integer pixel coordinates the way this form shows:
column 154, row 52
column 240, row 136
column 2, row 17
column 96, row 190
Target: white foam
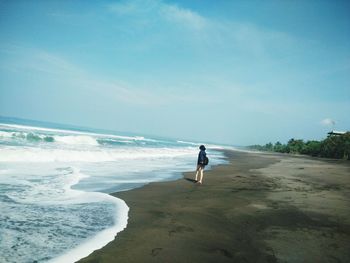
column 208, row 146
column 102, row 238
column 99, row 240
column 56, row 190
column 76, row 140
column 5, row 134
column 25, row 127
column 35, row 154
column 32, row 128
column 19, row 135
column 48, row 190
column 117, row 140
column 191, row 143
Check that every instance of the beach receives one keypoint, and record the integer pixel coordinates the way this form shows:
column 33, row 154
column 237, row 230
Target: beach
column 54, row 174
column 258, row 208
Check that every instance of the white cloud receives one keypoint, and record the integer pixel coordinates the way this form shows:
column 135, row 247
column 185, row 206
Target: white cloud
column 201, row 31
column 327, row 122
column 182, row 16
column 60, row 73
column 161, row 11
column 134, row 7
column 123, row 8
column 47, row 62
column 52, row 69
column 30, row 59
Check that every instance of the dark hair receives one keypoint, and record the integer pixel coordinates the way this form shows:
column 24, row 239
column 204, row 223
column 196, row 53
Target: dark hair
column 202, row 147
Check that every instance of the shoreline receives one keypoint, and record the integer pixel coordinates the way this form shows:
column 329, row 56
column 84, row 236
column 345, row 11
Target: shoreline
column 101, row 239
column 241, row 213
column 85, row 249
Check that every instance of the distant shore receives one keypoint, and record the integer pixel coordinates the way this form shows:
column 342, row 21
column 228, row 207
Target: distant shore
column 257, row 208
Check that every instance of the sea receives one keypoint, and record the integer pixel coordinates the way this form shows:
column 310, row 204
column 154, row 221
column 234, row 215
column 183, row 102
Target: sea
column 56, row 181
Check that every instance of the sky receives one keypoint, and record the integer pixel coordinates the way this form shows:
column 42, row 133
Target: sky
column 230, row 72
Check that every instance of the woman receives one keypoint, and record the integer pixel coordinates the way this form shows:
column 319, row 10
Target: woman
column 200, row 164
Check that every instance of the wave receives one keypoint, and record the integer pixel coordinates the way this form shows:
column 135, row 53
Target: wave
column 76, row 140
column 105, row 236
column 45, row 135
column 33, row 128
column 190, row 143
column 35, row 154
column 30, row 137
column 70, row 132
column 5, row 134
column 69, row 139
column 99, row 240
column 209, row 146
column 54, row 192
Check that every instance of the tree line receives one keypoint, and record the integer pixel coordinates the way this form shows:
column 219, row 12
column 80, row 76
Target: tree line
column 337, row 147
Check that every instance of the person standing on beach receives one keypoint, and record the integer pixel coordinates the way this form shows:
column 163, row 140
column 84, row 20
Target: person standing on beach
column 201, row 162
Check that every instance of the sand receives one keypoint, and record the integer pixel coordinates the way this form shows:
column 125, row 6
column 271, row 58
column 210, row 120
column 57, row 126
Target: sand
column 258, row 208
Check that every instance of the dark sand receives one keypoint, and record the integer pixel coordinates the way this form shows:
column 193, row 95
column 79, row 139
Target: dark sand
column 259, row 208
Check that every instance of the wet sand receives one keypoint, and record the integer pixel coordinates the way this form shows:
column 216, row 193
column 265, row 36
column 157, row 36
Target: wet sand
column 258, row 208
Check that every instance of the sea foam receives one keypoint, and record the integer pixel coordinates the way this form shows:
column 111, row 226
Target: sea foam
column 35, row 154
column 76, row 140
column 100, row 239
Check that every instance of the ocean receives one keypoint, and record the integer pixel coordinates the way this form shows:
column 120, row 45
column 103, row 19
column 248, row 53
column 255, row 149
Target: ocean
column 56, row 180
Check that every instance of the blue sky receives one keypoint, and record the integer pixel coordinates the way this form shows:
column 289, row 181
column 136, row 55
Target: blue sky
column 235, row 72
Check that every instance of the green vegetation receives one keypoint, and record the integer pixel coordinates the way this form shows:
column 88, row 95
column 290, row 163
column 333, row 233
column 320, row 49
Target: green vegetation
column 332, row 147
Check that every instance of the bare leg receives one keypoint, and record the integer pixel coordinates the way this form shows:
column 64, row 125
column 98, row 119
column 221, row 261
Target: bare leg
column 197, row 171
column 201, row 175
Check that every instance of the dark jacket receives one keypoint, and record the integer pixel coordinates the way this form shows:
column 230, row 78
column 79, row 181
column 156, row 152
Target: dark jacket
column 201, row 157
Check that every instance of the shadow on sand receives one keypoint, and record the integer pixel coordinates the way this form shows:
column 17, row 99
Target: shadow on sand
column 191, row 180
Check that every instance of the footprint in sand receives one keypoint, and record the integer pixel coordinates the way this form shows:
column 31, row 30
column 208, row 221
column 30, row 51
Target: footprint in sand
column 155, row 251
column 180, row 229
